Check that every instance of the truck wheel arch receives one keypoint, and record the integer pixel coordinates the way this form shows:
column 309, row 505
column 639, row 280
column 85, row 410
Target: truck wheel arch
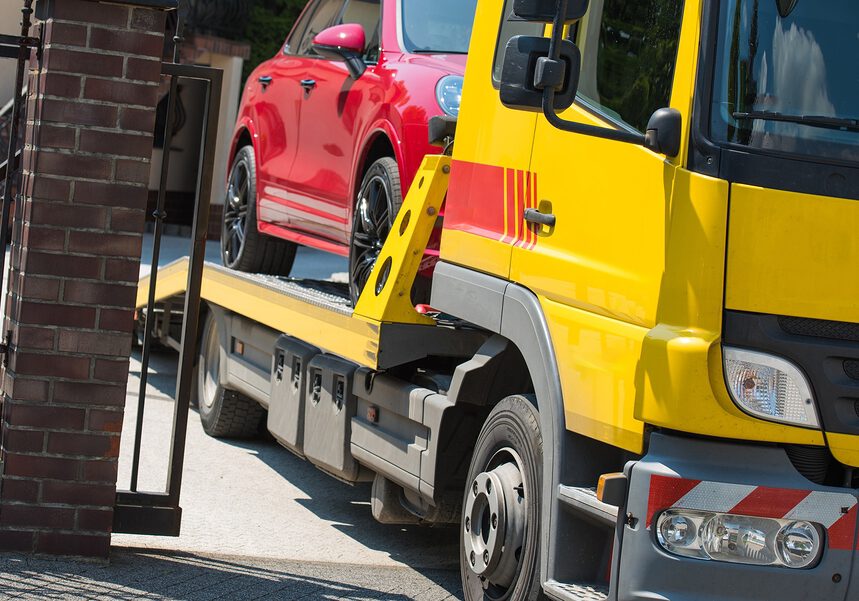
column 514, row 312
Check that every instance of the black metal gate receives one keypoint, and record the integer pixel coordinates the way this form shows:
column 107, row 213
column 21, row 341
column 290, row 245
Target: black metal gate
column 159, row 513
column 11, row 121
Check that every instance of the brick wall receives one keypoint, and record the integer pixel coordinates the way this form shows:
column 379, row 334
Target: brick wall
column 74, row 270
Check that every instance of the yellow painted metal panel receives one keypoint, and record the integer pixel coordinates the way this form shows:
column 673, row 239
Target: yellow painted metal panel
column 845, row 448
column 485, row 254
column 387, row 296
column 681, row 383
column 597, row 358
column 351, row 337
column 793, row 254
column 172, row 280
column 488, row 133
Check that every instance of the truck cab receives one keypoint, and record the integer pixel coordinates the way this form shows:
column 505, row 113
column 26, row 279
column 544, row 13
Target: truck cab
column 683, row 220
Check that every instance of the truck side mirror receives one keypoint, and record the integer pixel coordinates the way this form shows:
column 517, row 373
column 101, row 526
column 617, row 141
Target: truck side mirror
column 544, row 11
column 343, row 42
column 664, row 132
column 527, row 71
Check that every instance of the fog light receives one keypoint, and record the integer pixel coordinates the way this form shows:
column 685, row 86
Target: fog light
column 678, row 531
column 798, row 544
column 739, row 539
column 769, row 387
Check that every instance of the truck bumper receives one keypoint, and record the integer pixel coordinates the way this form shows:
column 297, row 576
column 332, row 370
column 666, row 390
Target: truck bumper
column 731, row 478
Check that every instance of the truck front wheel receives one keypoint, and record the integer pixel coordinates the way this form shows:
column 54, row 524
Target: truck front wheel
column 500, row 528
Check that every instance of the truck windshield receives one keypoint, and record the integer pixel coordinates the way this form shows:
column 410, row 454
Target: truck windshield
column 437, row 26
column 787, row 77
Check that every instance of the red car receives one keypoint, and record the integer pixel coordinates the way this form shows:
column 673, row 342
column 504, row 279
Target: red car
column 332, row 130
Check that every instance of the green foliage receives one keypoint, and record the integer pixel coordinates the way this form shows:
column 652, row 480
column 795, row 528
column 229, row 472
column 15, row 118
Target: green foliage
column 269, row 23
column 637, row 55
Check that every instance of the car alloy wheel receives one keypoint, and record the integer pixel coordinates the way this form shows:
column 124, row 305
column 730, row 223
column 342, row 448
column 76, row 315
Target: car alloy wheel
column 379, row 201
column 236, row 210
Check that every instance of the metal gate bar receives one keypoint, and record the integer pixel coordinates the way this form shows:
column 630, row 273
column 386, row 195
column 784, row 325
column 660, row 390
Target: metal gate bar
column 14, row 47
column 159, row 513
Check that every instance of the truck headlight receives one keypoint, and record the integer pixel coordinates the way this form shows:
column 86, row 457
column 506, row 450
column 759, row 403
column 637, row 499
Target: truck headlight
column 769, row 387
column 448, row 92
column 739, row 539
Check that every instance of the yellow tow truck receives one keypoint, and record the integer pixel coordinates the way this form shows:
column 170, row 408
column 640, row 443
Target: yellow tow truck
column 638, row 374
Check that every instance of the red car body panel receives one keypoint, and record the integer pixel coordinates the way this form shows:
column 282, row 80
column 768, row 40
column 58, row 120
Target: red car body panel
column 311, row 146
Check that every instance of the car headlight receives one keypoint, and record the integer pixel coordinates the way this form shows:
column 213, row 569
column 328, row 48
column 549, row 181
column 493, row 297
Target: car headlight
column 769, row 387
column 739, row 539
column 448, row 93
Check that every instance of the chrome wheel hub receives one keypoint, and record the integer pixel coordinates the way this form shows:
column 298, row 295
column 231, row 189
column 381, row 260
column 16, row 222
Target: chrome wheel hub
column 494, row 522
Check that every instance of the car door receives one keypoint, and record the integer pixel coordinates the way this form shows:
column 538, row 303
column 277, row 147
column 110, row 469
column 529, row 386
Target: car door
column 280, row 116
column 277, row 100
column 598, row 269
column 333, row 114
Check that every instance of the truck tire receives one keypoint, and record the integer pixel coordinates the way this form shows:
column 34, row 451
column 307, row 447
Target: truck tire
column 224, row 413
column 379, row 200
column 243, row 247
column 500, row 526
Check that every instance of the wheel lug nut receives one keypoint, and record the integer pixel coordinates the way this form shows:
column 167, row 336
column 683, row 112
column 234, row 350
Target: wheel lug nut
column 474, row 488
column 472, row 558
column 494, row 521
column 486, row 557
column 467, row 525
column 489, row 487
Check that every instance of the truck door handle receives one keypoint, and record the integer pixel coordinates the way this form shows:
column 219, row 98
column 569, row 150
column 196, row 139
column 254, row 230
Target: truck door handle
column 538, row 218
column 308, row 84
column 265, row 80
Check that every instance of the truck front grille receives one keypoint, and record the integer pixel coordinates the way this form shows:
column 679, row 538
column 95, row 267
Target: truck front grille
column 820, row 328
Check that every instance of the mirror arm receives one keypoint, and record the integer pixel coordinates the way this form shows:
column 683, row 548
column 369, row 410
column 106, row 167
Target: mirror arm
column 356, row 66
column 549, row 93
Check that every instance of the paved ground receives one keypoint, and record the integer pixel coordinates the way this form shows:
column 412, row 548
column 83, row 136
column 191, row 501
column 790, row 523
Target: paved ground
column 257, row 521
column 144, row 574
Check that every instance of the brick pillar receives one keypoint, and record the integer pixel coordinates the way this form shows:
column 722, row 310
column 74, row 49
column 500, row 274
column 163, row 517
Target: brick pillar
column 74, row 272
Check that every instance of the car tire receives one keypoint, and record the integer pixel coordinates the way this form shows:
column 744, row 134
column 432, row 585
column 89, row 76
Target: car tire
column 224, row 413
column 243, row 247
column 379, row 200
column 500, row 525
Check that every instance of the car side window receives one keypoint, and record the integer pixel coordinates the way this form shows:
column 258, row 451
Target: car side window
column 326, row 12
column 511, row 26
column 629, row 52
column 367, row 14
column 294, row 38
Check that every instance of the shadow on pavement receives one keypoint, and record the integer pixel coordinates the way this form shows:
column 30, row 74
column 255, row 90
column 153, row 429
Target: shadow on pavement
column 348, row 508
column 134, row 573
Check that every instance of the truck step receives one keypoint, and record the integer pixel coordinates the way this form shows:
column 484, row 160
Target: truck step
column 584, row 500
column 564, row 591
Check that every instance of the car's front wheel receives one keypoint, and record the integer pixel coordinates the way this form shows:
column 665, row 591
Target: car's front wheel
column 243, row 247
column 379, row 200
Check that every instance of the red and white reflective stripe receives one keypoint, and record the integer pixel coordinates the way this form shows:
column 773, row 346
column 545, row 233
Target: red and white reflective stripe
column 837, row 512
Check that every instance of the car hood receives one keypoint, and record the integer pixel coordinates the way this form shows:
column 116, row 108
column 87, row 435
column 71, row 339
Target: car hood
column 448, row 63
